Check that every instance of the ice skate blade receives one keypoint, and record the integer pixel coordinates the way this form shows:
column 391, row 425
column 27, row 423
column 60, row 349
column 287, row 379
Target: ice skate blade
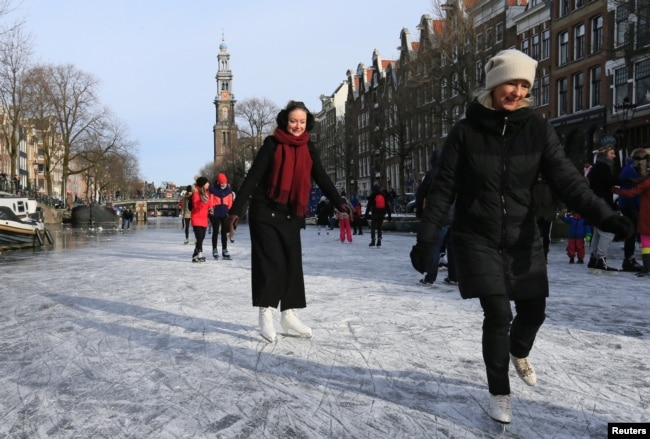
column 297, row 335
column 268, row 339
column 605, row 272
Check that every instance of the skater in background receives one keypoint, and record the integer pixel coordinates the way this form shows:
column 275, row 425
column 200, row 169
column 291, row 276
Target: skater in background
column 199, row 218
column 277, row 187
column 633, row 171
column 489, row 165
column 642, row 189
column 601, row 179
column 420, row 195
column 343, row 218
column 357, row 222
column 221, row 199
column 323, row 212
column 546, row 208
column 127, row 218
column 186, row 212
column 579, row 233
column 376, row 210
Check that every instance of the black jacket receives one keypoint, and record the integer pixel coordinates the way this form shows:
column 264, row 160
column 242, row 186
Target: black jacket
column 255, row 186
column 489, row 165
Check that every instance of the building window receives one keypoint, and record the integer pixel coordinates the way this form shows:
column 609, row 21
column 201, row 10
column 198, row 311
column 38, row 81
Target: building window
column 597, row 34
column 620, row 84
column 480, row 44
column 563, row 48
column 535, row 47
column 536, row 93
column 643, row 24
column 578, row 91
column 596, row 80
column 546, row 90
column 499, row 32
column 580, row 3
column 445, row 124
column 443, row 89
column 579, row 48
column 642, row 82
column 524, row 47
column 622, row 24
column 564, row 8
column 455, row 84
column 562, row 96
column 479, row 72
column 546, row 44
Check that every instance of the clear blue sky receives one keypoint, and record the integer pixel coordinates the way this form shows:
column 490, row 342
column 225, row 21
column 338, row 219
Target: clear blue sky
column 157, row 59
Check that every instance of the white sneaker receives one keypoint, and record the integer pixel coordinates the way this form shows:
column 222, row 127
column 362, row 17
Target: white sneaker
column 524, row 370
column 267, row 329
column 290, row 320
column 500, row 408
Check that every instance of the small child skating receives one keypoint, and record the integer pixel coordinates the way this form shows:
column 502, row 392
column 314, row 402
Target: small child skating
column 579, row 232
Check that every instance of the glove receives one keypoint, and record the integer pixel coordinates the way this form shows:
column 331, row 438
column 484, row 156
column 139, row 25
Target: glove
column 620, row 226
column 588, row 237
column 233, row 221
column 421, row 256
column 347, row 209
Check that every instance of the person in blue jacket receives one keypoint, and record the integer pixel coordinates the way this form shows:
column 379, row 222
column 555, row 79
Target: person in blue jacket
column 579, row 233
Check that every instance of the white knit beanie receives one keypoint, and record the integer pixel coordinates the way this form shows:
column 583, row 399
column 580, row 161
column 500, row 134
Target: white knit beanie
column 508, row 65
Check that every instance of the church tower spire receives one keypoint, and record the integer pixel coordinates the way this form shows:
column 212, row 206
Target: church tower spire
column 225, row 129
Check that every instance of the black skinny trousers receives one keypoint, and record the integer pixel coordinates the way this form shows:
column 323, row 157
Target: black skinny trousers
column 219, row 222
column 501, row 338
column 199, row 234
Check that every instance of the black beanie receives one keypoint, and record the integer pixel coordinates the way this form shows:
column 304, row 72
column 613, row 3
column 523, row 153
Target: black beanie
column 201, row 181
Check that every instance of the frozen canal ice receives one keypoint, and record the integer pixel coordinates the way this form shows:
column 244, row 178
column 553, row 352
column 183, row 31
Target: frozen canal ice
column 119, row 335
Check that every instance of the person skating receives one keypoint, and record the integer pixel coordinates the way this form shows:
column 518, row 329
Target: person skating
column 489, row 165
column 277, row 188
column 199, row 218
column 376, row 210
column 633, row 171
column 221, row 201
column 579, row 233
column 186, row 213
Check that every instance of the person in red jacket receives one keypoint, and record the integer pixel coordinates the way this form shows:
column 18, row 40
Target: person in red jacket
column 199, row 218
column 221, row 196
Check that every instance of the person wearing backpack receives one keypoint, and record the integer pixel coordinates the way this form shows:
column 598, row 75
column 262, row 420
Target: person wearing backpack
column 376, row 210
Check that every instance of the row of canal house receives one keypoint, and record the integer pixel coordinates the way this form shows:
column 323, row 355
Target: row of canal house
column 593, row 84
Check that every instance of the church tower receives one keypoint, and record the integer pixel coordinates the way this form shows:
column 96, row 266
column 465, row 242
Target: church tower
column 225, row 129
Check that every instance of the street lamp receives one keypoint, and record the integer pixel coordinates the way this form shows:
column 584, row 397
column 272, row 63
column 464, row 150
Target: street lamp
column 624, row 113
column 35, row 178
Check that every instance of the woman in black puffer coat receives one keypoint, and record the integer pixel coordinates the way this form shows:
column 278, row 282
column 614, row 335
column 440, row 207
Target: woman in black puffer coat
column 489, row 165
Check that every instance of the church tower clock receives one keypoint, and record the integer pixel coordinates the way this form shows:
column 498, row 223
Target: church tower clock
column 225, row 130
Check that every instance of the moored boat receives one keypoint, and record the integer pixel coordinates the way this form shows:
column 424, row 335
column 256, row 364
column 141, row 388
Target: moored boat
column 16, row 233
column 93, row 216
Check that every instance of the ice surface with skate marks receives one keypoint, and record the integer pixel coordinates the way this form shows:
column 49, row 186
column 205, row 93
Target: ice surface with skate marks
column 124, row 337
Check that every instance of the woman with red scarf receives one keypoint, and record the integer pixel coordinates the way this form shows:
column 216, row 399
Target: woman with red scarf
column 277, row 187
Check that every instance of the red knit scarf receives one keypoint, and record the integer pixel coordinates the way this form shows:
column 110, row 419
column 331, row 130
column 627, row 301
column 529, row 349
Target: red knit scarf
column 290, row 179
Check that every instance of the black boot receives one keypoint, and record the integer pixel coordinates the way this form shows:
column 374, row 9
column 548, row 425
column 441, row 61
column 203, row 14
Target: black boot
column 378, row 242
column 372, row 243
column 645, row 270
column 630, row 264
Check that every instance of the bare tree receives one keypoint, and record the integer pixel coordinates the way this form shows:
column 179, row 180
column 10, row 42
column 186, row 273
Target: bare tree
column 15, row 53
column 256, row 119
column 83, row 126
